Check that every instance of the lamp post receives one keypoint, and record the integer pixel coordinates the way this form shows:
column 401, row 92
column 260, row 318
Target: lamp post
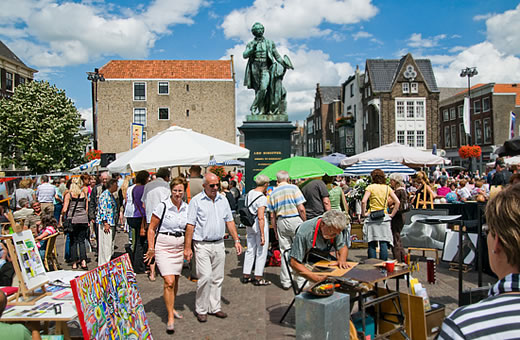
column 469, row 72
column 94, row 77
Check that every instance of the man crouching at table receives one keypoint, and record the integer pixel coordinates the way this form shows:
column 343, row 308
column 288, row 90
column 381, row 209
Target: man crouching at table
column 324, row 234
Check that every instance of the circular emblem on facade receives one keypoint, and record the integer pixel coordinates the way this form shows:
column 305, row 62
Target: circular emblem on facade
column 410, row 73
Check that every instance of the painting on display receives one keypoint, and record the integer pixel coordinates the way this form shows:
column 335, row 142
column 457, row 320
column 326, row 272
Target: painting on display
column 109, row 304
column 137, row 135
column 31, row 265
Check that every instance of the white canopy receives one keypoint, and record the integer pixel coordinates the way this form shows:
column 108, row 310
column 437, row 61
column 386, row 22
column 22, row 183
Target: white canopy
column 177, row 146
column 399, row 153
column 508, row 160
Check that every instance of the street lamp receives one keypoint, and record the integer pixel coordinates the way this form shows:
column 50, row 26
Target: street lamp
column 469, row 72
column 94, row 77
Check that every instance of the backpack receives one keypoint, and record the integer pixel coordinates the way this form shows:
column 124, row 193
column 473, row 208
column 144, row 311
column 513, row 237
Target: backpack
column 246, row 217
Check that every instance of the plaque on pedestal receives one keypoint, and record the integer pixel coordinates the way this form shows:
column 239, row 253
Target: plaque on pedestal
column 269, row 140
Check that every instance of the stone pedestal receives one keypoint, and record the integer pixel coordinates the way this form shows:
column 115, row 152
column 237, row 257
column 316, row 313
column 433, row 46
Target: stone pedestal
column 268, row 141
column 323, row 318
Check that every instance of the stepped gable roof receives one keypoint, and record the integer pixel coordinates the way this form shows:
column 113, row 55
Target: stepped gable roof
column 330, row 93
column 167, row 69
column 383, row 73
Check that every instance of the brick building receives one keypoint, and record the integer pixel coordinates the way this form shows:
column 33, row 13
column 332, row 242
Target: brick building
column 195, row 94
column 321, row 122
column 350, row 125
column 400, row 103
column 490, row 109
column 13, row 71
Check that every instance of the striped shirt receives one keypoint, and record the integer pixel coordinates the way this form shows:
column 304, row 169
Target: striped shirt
column 284, row 200
column 496, row 317
column 45, row 193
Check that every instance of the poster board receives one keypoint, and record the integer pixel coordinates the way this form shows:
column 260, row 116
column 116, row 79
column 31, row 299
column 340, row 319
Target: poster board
column 450, row 252
column 31, row 265
column 109, row 304
column 136, row 135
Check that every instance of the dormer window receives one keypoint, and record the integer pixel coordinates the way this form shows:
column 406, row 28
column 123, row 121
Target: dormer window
column 414, row 88
column 406, row 87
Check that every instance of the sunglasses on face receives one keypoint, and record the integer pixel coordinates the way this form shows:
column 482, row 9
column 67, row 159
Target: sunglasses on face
column 213, row 185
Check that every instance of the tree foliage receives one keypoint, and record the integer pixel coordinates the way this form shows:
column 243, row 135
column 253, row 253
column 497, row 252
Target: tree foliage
column 39, row 128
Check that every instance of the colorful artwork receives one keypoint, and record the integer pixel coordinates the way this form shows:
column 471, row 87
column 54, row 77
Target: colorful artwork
column 109, row 304
column 31, row 265
column 137, row 135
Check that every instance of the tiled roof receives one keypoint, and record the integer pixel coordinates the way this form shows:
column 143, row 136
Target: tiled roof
column 476, row 86
column 509, row 88
column 383, row 72
column 330, row 93
column 7, row 53
column 167, row 69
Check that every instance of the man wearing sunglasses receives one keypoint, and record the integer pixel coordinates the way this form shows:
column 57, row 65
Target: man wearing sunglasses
column 208, row 216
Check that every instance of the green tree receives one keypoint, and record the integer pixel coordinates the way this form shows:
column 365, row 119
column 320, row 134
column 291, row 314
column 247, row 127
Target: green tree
column 39, row 128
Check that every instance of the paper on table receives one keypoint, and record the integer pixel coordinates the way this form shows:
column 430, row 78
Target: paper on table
column 336, row 272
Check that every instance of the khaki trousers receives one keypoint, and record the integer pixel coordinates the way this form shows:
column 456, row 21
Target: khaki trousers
column 210, row 259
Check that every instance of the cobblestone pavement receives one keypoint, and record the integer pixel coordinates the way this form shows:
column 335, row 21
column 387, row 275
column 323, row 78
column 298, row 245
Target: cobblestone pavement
column 254, row 312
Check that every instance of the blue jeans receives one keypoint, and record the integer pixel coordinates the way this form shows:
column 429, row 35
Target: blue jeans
column 67, row 248
column 383, row 250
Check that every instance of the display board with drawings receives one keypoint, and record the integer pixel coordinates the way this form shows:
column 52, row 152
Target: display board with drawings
column 450, row 252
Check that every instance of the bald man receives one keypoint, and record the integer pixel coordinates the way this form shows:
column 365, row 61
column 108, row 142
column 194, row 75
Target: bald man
column 208, row 216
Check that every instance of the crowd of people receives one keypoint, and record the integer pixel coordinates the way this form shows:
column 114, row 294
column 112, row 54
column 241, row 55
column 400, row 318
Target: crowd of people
column 179, row 222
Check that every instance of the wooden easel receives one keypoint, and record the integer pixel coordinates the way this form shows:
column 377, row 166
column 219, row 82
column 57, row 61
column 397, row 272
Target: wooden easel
column 427, row 198
column 24, row 296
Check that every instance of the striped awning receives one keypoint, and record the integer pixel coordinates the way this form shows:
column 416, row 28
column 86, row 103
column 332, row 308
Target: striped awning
column 388, row 167
column 231, row 162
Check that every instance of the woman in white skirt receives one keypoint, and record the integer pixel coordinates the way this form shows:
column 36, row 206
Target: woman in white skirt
column 378, row 230
column 169, row 223
column 257, row 234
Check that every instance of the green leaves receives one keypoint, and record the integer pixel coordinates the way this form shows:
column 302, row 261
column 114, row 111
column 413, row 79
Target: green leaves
column 39, row 128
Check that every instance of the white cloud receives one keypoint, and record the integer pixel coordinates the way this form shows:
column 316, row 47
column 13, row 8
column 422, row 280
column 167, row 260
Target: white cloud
column 492, row 65
column 482, row 16
column 286, row 19
column 69, row 33
column 310, row 67
column 416, row 40
column 503, row 31
column 361, row 35
column 456, row 49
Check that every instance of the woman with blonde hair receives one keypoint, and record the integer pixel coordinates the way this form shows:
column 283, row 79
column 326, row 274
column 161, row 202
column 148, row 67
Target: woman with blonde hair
column 75, row 209
column 495, row 317
column 377, row 226
column 24, row 191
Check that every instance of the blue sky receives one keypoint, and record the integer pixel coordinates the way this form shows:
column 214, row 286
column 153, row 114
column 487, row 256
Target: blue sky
column 325, row 39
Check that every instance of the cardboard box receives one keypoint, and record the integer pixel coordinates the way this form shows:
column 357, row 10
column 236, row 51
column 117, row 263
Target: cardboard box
column 356, row 235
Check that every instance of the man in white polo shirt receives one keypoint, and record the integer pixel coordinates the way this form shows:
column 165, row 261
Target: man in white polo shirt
column 45, row 194
column 208, row 216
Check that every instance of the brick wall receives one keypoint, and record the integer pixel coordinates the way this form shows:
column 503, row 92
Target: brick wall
column 211, row 106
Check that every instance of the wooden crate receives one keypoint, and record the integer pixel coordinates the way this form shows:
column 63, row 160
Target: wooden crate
column 357, row 230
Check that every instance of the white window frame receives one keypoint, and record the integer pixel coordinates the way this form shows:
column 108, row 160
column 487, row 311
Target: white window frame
column 406, row 88
column 399, row 109
column 414, row 87
column 475, row 107
column 145, row 115
column 477, row 141
column 159, row 88
column 410, row 119
column 447, row 137
column 453, row 113
column 401, row 135
column 133, row 91
column 488, row 104
column 486, row 121
column 12, row 82
column 159, row 113
column 460, row 111
column 423, row 135
column 445, row 115
column 453, row 134
column 462, row 134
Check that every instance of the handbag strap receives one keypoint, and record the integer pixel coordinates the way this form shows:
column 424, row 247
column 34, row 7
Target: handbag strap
column 160, row 222
column 386, row 197
column 316, row 232
column 257, row 197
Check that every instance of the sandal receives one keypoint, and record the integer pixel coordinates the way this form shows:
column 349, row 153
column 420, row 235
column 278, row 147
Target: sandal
column 151, row 277
column 170, row 328
column 261, row 282
column 246, row 279
column 176, row 315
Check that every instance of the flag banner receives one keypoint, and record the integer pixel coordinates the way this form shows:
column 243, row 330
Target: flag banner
column 466, row 116
column 512, row 124
column 137, row 135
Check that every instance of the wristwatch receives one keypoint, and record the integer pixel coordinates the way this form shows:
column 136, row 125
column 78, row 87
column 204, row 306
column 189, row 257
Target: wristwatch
column 237, row 241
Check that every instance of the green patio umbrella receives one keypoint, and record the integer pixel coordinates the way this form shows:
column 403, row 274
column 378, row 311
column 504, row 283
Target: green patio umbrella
column 301, row 167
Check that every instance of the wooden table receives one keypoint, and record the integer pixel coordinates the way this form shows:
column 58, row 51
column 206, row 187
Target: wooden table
column 68, row 313
column 368, row 273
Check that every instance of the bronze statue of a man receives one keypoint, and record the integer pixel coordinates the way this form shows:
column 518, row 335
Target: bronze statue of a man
column 264, row 73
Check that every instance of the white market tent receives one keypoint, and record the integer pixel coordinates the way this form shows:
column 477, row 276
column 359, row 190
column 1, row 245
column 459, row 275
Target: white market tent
column 177, row 146
column 389, row 167
column 399, row 153
column 508, row 160
column 87, row 167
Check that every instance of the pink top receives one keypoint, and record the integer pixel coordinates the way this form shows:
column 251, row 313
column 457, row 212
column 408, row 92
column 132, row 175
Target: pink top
column 443, row 191
column 50, row 230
